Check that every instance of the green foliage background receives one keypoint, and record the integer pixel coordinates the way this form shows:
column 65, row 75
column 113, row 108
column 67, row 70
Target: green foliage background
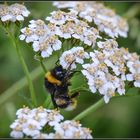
column 118, row 119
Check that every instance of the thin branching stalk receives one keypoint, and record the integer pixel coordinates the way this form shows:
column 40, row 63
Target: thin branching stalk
column 24, row 66
column 43, row 66
column 96, row 106
column 133, row 11
column 47, row 100
column 90, row 109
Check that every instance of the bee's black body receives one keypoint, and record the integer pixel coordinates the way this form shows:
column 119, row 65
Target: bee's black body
column 57, row 82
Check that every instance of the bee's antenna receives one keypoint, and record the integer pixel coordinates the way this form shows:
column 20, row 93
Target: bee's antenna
column 70, row 73
column 69, row 68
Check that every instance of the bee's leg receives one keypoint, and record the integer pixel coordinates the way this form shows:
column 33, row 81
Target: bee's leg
column 68, row 84
column 53, row 100
column 75, row 94
column 56, row 63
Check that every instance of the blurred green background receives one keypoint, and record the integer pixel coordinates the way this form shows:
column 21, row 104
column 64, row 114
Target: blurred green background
column 118, row 119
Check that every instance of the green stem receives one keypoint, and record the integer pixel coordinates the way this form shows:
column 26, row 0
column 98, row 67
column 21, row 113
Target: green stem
column 24, row 66
column 92, row 108
column 50, row 105
column 95, row 106
column 132, row 12
column 31, row 88
column 43, row 66
column 46, row 102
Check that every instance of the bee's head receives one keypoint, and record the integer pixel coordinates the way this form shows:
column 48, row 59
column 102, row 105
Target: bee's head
column 58, row 72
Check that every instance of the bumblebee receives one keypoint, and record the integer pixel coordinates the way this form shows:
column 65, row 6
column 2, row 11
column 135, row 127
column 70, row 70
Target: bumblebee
column 57, row 82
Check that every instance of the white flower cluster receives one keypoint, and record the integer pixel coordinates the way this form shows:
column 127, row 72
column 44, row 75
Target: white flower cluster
column 67, row 130
column 13, row 13
column 72, row 129
column 133, row 64
column 42, row 36
column 105, row 18
column 46, row 37
column 110, row 68
column 68, row 26
column 64, row 5
column 71, row 57
column 31, row 122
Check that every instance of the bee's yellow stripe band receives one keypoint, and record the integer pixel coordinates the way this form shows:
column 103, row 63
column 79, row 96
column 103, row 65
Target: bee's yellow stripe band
column 52, row 79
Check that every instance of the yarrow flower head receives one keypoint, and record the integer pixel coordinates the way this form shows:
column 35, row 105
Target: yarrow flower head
column 110, row 68
column 58, row 17
column 133, row 65
column 41, row 36
column 73, row 56
column 30, row 123
column 71, row 26
column 36, row 30
column 105, row 18
column 66, row 30
column 46, row 38
column 63, row 4
column 13, row 13
column 47, row 45
column 72, row 129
